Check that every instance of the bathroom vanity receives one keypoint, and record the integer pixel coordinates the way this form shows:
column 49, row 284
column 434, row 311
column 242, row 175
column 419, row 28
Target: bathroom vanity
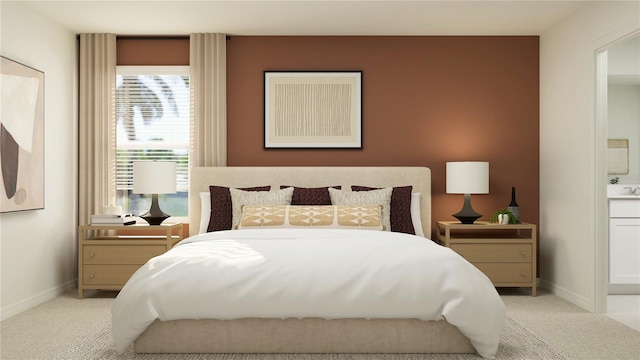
column 624, row 244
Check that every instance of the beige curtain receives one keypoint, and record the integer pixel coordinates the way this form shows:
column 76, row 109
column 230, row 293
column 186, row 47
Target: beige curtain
column 97, row 125
column 207, row 61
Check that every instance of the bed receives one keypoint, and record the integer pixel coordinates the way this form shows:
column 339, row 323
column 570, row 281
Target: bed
column 453, row 323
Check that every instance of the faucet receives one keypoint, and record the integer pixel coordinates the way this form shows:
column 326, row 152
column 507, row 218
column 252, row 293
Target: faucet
column 633, row 190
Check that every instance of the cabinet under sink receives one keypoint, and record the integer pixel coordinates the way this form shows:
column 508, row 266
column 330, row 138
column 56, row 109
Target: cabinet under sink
column 624, row 244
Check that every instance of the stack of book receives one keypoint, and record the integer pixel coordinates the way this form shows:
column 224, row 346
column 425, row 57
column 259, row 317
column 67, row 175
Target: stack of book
column 102, row 219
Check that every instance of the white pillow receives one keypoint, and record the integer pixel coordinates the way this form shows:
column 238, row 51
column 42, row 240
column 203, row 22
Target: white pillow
column 240, row 198
column 205, row 211
column 415, row 214
column 372, row 197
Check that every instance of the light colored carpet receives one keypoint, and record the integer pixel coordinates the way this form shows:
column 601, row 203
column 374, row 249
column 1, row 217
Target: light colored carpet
column 41, row 331
column 517, row 343
column 578, row 333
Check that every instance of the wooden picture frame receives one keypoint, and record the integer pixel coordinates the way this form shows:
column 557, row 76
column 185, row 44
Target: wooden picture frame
column 312, row 109
column 21, row 137
column 618, row 156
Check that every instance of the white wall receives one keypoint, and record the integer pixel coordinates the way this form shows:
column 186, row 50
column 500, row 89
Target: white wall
column 38, row 248
column 624, row 123
column 569, row 196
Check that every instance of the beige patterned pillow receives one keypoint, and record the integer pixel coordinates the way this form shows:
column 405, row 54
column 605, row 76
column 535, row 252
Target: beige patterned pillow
column 240, row 198
column 316, row 216
column 373, row 197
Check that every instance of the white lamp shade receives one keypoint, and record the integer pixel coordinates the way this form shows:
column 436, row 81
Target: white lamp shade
column 468, row 177
column 154, row 177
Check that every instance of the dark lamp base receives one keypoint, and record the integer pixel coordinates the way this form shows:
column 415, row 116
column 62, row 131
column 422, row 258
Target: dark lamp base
column 466, row 219
column 467, row 215
column 155, row 216
column 154, row 220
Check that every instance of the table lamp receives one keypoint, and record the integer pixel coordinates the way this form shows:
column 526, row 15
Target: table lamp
column 154, row 177
column 467, row 177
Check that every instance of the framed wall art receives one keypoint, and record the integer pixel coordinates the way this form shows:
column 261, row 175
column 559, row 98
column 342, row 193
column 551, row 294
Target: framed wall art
column 313, row 109
column 21, row 137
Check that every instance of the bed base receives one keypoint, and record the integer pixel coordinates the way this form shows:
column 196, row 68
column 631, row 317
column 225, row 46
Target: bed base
column 302, row 336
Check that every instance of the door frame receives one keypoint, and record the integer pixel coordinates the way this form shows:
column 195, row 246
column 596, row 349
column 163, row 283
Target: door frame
column 601, row 252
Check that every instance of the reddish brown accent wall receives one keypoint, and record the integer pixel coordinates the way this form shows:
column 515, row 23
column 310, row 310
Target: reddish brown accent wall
column 150, row 51
column 426, row 101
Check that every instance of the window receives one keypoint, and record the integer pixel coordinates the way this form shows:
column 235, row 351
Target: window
column 152, row 123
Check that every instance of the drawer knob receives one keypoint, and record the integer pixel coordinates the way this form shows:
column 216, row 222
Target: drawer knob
column 92, row 254
column 521, row 274
column 92, row 276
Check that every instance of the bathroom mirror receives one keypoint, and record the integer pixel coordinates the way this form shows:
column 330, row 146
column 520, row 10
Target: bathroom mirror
column 618, row 156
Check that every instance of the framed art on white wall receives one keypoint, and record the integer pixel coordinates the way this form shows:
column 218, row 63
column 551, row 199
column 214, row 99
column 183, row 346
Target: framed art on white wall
column 313, row 109
column 21, row 137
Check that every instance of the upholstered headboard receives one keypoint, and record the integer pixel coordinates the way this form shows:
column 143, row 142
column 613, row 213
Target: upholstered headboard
column 202, row 177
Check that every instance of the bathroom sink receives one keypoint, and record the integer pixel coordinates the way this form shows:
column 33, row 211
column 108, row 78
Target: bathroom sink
column 623, row 191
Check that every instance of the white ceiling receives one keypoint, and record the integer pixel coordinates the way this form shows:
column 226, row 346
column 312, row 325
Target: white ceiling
column 307, row 17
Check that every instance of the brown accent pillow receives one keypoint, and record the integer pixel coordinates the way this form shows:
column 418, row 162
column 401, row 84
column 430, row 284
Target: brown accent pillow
column 400, row 208
column 221, row 217
column 311, row 196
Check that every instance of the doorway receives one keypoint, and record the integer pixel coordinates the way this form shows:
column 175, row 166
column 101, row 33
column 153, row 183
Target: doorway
column 617, row 83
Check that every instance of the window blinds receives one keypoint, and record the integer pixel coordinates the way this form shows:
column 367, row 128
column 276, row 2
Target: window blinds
column 152, row 114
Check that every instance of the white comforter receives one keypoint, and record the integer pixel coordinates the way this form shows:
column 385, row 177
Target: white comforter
column 287, row 273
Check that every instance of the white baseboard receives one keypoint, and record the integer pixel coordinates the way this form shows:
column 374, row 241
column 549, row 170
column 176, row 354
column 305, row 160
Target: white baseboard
column 567, row 295
column 33, row 301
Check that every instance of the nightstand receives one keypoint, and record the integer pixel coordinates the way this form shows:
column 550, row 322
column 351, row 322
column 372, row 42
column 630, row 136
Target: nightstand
column 109, row 254
column 505, row 253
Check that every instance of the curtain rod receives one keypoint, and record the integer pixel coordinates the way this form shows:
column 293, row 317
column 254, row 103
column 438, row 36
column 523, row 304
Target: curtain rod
column 159, row 37
column 152, row 37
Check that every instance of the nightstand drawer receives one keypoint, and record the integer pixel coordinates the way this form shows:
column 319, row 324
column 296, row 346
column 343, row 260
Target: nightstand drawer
column 506, row 273
column 120, row 254
column 107, row 274
column 494, row 252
